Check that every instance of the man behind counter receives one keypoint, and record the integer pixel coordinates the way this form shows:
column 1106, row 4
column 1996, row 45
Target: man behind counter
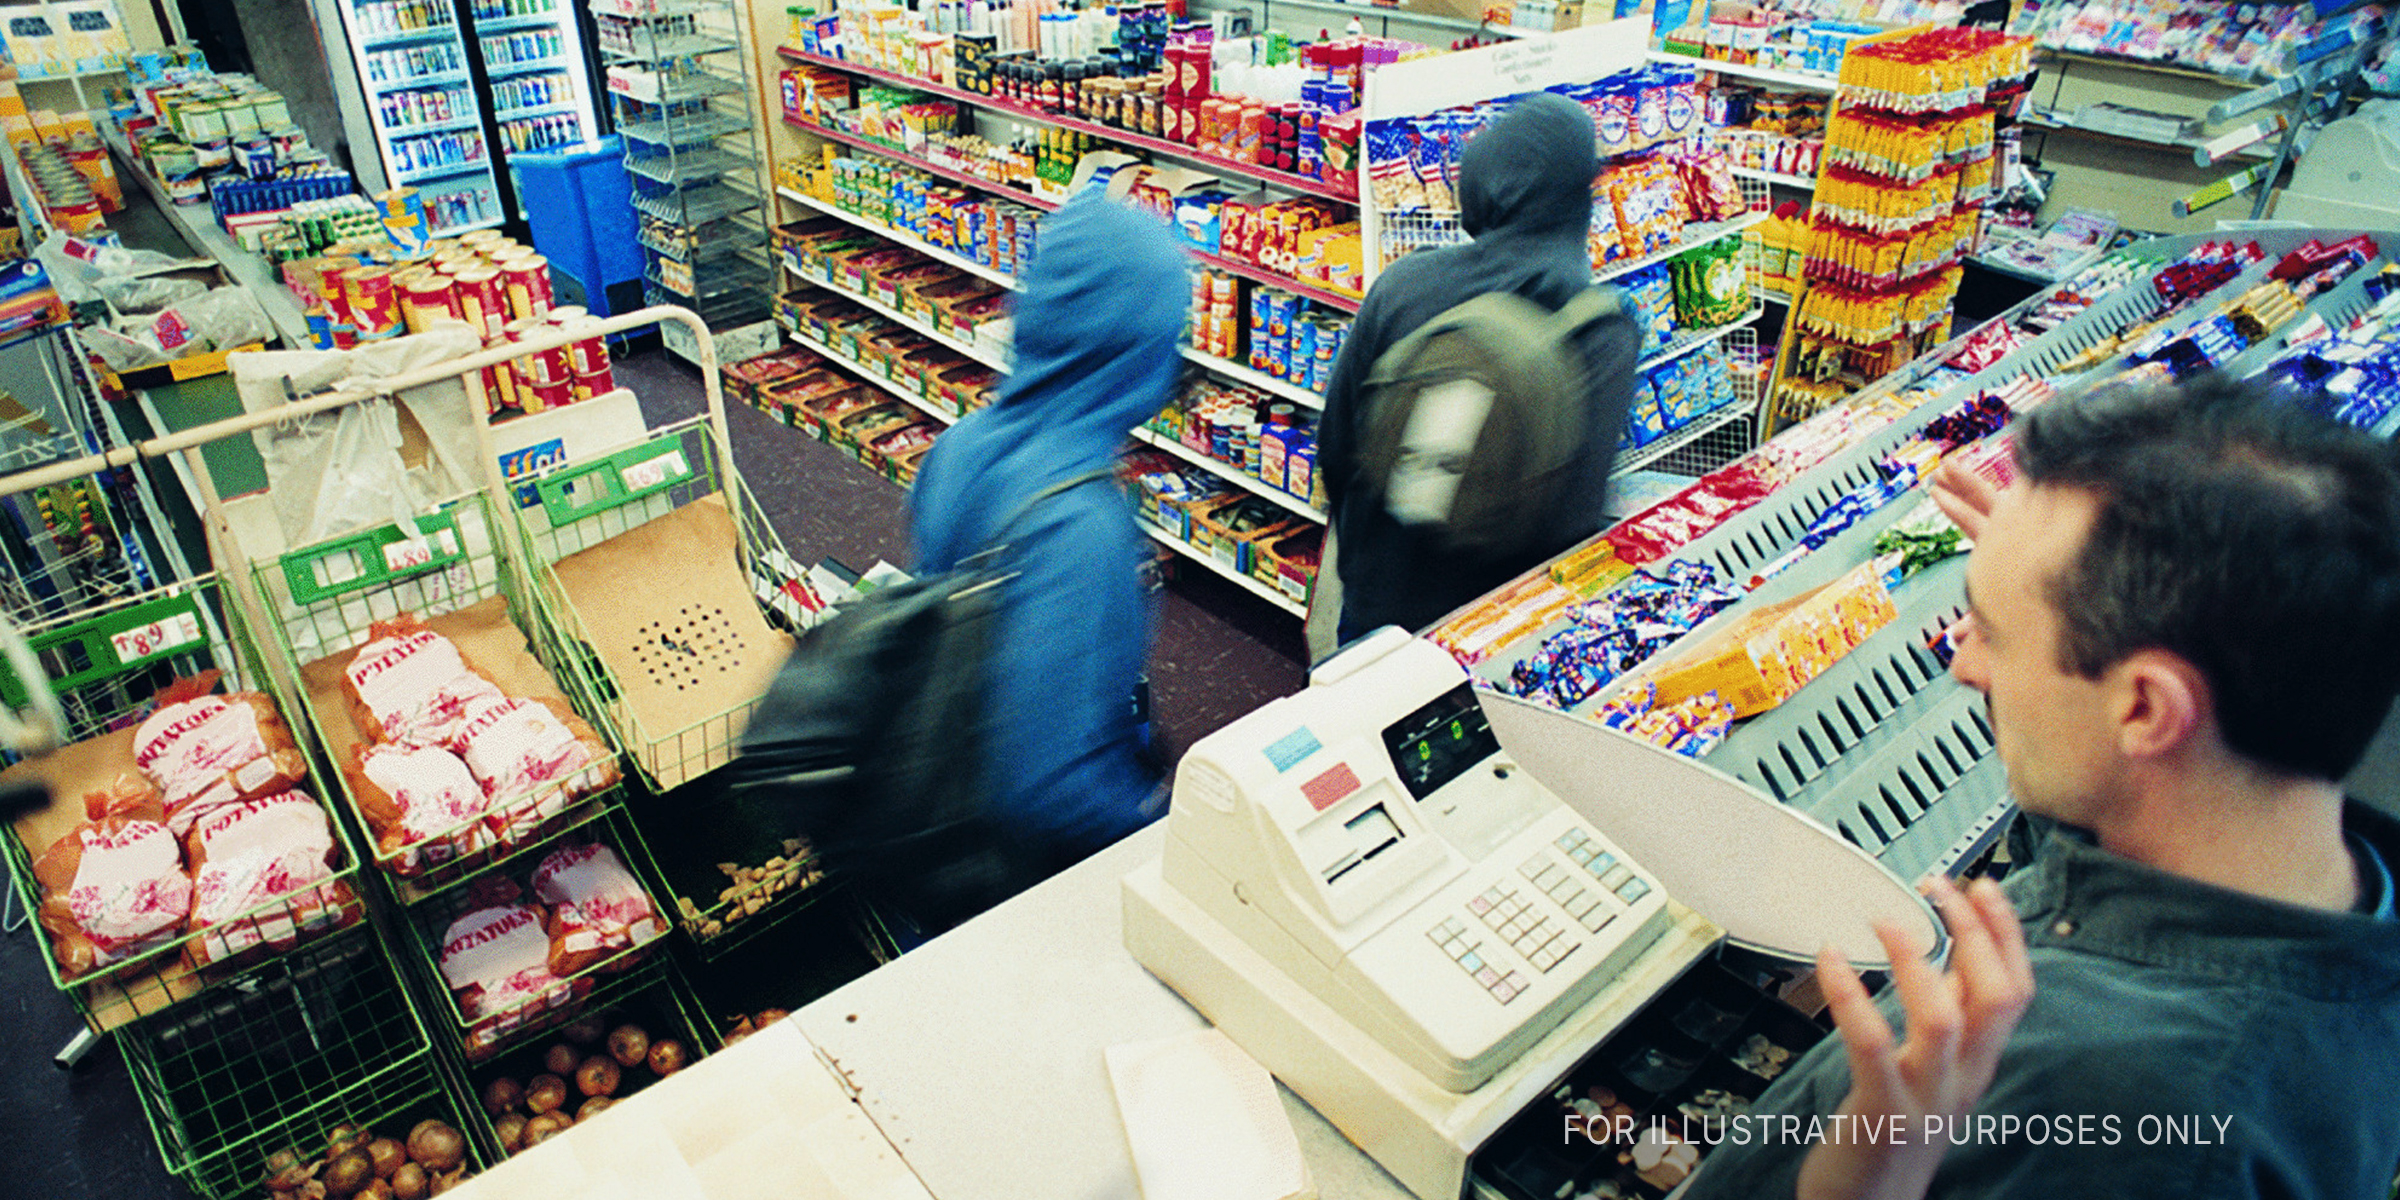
column 2186, row 623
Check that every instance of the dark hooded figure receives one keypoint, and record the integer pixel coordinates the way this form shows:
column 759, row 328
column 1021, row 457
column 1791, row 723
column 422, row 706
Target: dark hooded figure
column 1096, row 333
column 1525, row 197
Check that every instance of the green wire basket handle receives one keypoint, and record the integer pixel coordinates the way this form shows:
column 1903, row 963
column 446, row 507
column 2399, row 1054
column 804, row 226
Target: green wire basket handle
column 373, row 557
column 613, row 481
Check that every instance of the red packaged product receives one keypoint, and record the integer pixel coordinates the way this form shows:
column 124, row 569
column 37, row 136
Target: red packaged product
column 206, row 751
column 597, row 908
column 533, row 758
column 411, row 685
column 496, row 961
column 245, row 857
column 422, row 805
column 113, row 886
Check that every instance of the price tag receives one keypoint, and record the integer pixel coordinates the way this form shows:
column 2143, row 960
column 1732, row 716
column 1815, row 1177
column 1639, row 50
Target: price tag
column 142, row 641
column 652, row 472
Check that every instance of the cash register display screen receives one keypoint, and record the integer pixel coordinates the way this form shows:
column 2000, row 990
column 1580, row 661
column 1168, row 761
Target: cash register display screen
column 1439, row 742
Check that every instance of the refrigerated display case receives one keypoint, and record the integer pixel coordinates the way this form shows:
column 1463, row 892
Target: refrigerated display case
column 450, row 88
column 418, row 96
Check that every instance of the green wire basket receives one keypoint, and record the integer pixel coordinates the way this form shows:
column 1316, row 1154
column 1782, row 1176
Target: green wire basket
column 106, row 665
column 323, row 1032
column 483, row 1036
column 327, row 598
column 578, row 506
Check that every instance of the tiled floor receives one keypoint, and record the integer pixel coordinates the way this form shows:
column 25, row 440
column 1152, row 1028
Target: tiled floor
column 1220, row 652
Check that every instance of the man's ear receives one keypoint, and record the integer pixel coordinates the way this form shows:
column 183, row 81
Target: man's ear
column 2160, row 701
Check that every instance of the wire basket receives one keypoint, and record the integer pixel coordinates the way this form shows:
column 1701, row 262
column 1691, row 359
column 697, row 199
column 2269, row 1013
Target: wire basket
column 627, row 649
column 320, row 1032
column 662, row 1006
column 107, row 665
column 482, row 1035
column 327, row 598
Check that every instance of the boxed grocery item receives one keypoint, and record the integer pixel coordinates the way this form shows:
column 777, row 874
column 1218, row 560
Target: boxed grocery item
column 1230, row 529
column 1764, row 659
column 817, row 413
column 1288, row 562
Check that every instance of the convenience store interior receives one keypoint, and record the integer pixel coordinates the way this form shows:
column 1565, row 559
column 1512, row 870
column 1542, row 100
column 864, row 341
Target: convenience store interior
column 739, row 267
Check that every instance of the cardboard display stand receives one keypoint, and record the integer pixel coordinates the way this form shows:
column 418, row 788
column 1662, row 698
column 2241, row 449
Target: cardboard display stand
column 688, row 662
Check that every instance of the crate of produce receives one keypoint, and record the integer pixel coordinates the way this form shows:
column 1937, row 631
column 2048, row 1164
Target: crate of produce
column 319, row 1037
column 439, row 706
column 185, row 838
column 544, row 1086
column 673, row 672
column 530, row 946
column 406, row 1128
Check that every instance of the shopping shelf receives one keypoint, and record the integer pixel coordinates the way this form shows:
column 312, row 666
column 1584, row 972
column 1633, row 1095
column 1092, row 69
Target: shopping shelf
column 1250, row 271
column 670, row 46
column 677, row 167
column 1809, row 81
column 1702, row 426
column 410, row 82
column 1692, row 338
column 1157, row 145
column 869, row 374
column 1246, row 583
column 1219, row 366
column 1778, row 178
column 1230, row 474
column 508, row 69
column 982, row 354
column 1693, row 235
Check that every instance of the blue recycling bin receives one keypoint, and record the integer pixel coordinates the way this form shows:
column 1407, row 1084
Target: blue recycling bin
column 579, row 205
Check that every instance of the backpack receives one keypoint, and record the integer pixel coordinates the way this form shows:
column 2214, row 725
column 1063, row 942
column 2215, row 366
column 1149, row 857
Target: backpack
column 870, row 741
column 1473, row 423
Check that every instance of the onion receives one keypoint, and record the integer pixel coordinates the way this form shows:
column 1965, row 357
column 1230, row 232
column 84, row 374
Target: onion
column 668, row 1057
column 349, row 1173
column 586, row 1030
column 342, row 1137
column 598, row 1076
column 592, row 1108
column 560, row 1060
column 437, row 1147
column 410, row 1182
column 545, row 1093
column 443, row 1183
column 510, row 1129
column 502, row 1095
column 628, row 1045
column 388, row 1155
column 376, row 1189
column 768, row 1016
column 544, row 1127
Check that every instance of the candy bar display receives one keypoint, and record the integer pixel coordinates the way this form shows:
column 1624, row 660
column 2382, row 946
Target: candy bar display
column 1908, row 161
column 1605, row 638
column 2208, row 35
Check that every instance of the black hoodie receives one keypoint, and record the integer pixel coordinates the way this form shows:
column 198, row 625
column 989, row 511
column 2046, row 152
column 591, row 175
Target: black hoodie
column 1525, row 195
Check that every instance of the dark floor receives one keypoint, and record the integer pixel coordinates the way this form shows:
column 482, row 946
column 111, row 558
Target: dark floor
column 1220, row 652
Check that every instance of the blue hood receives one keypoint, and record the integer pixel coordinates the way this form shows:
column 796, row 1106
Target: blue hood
column 1096, row 334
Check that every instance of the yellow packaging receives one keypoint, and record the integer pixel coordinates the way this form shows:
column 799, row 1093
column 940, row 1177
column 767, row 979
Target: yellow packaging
column 1765, row 658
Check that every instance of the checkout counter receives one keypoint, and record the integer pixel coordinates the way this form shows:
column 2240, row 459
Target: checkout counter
column 1328, row 869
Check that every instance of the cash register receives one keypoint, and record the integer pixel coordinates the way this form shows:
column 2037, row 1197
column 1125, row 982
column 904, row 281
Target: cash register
column 1420, row 905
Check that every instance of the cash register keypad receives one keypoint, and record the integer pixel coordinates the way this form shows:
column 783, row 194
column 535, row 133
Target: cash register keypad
column 1454, row 938
column 1582, row 880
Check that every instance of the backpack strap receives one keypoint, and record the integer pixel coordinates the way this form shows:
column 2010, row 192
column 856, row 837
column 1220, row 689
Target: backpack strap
column 1590, row 305
column 999, row 538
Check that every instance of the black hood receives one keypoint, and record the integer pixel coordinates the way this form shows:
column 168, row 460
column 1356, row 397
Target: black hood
column 1531, row 171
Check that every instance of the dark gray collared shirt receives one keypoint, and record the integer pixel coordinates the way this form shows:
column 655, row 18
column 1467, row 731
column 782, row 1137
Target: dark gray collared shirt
column 2185, row 1040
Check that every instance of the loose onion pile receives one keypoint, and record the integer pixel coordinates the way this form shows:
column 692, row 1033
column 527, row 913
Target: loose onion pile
column 743, row 1026
column 357, row 1165
column 580, row 1078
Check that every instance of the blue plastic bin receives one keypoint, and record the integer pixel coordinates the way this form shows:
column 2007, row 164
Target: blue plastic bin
column 579, row 205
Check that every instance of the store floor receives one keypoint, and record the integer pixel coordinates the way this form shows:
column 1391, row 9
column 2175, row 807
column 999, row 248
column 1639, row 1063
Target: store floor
column 1220, row 653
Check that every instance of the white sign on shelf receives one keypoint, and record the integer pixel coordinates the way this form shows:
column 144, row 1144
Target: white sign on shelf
column 1429, row 85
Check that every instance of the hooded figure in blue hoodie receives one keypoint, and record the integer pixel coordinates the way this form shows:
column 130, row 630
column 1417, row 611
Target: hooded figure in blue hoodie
column 1096, row 333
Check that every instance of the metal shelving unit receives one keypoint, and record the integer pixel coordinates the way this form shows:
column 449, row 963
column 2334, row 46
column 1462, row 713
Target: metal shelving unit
column 678, row 76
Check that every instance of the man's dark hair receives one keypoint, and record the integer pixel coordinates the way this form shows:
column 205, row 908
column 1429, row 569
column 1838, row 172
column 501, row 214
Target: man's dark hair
column 2257, row 541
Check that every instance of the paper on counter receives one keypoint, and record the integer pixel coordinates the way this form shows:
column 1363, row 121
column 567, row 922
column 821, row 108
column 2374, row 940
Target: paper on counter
column 1205, row 1121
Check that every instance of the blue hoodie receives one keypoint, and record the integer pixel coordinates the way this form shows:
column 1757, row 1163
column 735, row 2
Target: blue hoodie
column 1096, row 333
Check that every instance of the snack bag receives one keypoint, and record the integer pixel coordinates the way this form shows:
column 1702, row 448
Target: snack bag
column 206, row 751
column 420, row 802
column 114, row 886
column 598, row 909
column 411, row 685
column 245, row 857
column 533, row 758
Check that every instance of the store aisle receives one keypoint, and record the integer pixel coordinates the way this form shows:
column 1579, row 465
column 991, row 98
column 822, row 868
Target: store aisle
column 1220, row 653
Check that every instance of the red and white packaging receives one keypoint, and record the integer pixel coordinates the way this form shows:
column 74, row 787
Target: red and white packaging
column 114, row 886
column 262, row 876
column 496, row 960
column 598, row 909
column 420, row 802
column 209, row 751
column 533, row 758
column 411, row 685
